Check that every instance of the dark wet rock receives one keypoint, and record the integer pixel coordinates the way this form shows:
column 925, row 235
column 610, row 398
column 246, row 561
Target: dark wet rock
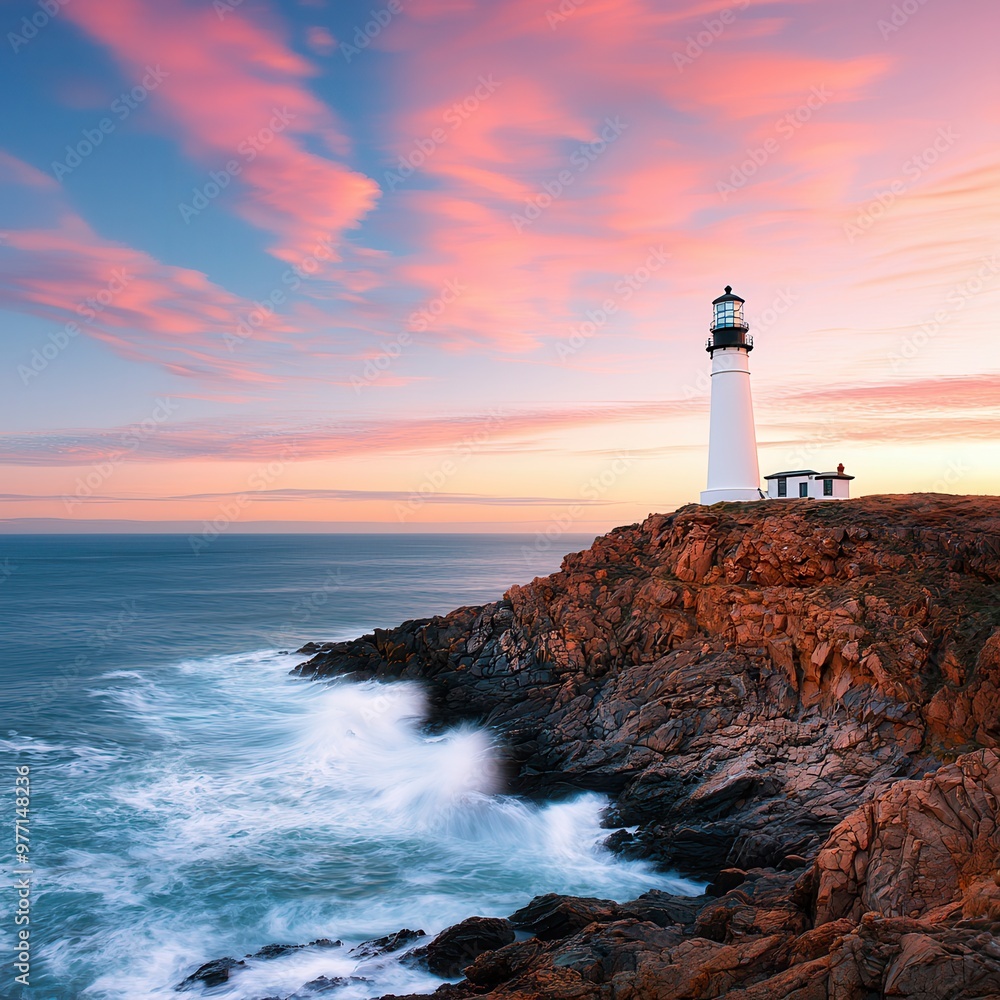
column 762, row 904
column 663, row 908
column 728, row 878
column 211, row 973
column 389, row 943
column 621, row 842
column 457, row 946
column 324, row 986
column 321, row 986
column 793, row 862
column 448, row 991
column 275, row 950
column 553, row 916
column 311, row 648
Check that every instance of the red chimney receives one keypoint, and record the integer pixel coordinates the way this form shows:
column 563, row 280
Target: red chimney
column 840, row 469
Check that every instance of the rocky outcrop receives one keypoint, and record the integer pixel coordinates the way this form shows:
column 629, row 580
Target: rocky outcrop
column 211, row 973
column 455, row 948
column 386, row 945
column 925, row 850
column 804, row 693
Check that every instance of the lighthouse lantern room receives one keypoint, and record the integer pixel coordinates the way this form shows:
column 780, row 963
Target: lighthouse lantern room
column 733, row 471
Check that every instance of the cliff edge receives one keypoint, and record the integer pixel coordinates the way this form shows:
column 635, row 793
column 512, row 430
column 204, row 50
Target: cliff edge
column 798, row 700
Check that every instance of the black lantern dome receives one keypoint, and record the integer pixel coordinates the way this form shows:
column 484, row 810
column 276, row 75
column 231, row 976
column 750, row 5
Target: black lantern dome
column 729, row 326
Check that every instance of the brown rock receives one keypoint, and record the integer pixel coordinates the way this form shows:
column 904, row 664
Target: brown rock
column 917, row 848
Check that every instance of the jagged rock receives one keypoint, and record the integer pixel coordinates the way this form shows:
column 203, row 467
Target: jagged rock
column 384, row 945
column 275, row 950
column 923, row 848
column 552, row 916
column 446, row 992
column 763, row 903
column 663, row 908
column 320, row 986
column 455, row 948
column 728, row 878
column 211, row 973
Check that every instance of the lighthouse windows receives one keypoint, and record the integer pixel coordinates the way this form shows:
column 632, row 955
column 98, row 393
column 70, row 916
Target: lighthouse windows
column 728, row 314
column 803, row 489
column 828, row 487
column 782, row 487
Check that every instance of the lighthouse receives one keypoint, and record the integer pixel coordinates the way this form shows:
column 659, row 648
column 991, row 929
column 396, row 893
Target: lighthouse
column 733, row 472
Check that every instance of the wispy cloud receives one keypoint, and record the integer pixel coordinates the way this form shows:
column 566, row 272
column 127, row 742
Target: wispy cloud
column 230, row 79
column 930, row 408
column 143, row 309
column 233, row 441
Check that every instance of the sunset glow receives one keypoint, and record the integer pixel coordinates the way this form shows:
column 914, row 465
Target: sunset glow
column 416, row 266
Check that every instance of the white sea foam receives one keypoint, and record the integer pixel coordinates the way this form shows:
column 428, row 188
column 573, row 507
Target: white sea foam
column 254, row 807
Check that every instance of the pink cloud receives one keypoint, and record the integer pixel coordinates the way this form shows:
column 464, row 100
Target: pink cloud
column 537, row 144
column 232, row 441
column 915, row 396
column 559, row 81
column 320, row 40
column 141, row 308
column 933, row 409
column 233, row 88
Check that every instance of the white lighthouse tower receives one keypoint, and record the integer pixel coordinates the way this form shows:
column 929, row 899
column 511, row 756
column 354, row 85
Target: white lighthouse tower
column 733, row 472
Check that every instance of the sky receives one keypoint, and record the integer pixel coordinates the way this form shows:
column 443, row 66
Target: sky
column 417, row 265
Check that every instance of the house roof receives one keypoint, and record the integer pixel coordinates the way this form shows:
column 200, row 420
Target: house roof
column 808, row 472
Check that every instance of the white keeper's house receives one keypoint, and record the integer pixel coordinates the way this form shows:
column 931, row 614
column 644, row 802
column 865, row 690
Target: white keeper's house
column 733, row 472
column 809, row 484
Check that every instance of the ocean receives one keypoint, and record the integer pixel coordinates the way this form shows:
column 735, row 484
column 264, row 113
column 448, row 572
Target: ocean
column 189, row 800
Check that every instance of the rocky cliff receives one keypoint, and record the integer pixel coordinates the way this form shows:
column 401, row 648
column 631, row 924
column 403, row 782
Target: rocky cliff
column 799, row 701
